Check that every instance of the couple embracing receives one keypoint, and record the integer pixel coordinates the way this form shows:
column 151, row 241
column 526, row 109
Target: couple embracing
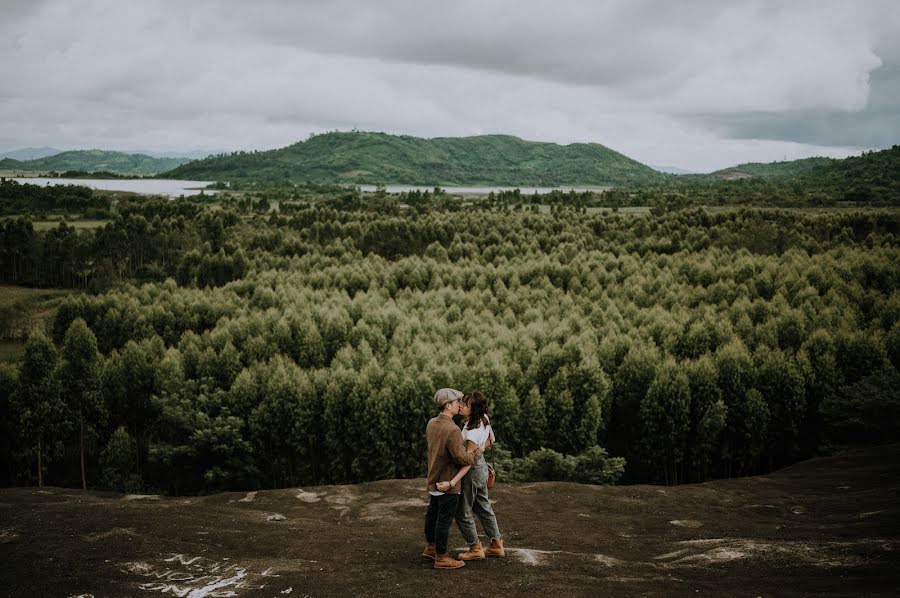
column 457, row 479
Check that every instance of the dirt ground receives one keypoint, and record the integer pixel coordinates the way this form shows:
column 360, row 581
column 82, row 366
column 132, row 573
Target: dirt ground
column 823, row 527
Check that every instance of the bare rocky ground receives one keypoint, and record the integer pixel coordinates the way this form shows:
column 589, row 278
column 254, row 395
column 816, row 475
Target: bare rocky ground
column 823, row 527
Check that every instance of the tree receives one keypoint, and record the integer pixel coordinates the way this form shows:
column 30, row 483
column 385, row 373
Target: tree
column 709, row 435
column 822, row 379
column 8, row 387
column 630, row 385
column 735, row 379
column 707, row 416
column 665, row 413
column 754, row 429
column 781, row 385
column 590, row 389
column 274, row 390
column 79, row 378
column 40, row 413
column 533, row 422
column 129, row 382
column 118, row 462
column 560, row 432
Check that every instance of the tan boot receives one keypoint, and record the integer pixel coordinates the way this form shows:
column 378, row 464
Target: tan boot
column 475, row 553
column 495, row 549
column 429, row 551
column 445, row 561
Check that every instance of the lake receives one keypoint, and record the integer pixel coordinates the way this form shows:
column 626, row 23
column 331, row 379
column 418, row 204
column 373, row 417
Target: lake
column 167, row 187
column 173, row 188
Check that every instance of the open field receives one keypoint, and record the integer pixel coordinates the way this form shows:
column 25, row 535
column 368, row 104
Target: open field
column 827, row 527
column 79, row 224
column 12, row 295
column 21, row 310
column 12, row 174
column 11, row 350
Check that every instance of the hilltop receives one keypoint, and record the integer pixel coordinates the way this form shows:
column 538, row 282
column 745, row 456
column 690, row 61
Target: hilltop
column 872, row 178
column 829, row 526
column 875, row 168
column 773, row 169
column 95, row 160
column 362, row 157
column 30, row 153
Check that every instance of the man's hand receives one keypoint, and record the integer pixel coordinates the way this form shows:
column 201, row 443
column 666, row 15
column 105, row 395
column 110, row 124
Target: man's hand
column 444, row 486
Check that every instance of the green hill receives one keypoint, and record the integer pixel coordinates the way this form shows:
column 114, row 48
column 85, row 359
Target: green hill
column 360, row 157
column 88, row 161
column 872, row 178
column 773, row 169
column 875, row 169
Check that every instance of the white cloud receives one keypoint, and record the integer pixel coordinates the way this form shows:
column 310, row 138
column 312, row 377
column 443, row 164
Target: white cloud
column 687, row 85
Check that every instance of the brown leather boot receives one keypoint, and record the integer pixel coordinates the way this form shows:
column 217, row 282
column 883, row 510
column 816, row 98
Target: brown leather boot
column 429, row 551
column 496, row 549
column 475, row 553
column 445, row 561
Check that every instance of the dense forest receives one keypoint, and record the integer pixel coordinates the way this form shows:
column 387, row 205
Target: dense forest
column 17, row 198
column 226, row 346
column 870, row 179
column 361, row 157
column 89, row 161
column 773, row 169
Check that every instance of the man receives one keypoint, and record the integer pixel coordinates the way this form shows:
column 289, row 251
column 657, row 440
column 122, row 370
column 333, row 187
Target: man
column 446, row 454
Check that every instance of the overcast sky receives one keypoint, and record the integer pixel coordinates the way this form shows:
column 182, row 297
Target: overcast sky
column 696, row 85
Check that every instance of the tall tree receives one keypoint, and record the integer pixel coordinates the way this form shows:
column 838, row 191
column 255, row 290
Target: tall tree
column 8, row 386
column 129, row 382
column 665, row 413
column 79, row 378
column 40, row 412
column 707, row 420
column 630, row 385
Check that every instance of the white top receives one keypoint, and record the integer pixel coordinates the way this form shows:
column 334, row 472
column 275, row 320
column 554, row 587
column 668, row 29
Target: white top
column 478, row 435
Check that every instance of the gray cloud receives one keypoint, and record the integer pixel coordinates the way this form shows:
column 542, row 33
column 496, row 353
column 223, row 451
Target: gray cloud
column 875, row 125
column 699, row 85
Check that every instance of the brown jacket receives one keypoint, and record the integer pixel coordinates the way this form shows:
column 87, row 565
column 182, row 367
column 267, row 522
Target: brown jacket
column 446, row 453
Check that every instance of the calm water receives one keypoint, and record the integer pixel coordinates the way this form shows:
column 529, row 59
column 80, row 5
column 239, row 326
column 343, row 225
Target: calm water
column 481, row 190
column 168, row 187
column 173, row 188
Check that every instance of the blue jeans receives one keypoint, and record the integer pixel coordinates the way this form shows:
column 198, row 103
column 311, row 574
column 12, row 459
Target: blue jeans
column 473, row 501
column 438, row 518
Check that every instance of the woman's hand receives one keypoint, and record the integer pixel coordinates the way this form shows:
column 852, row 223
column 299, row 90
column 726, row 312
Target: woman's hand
column 444, row 486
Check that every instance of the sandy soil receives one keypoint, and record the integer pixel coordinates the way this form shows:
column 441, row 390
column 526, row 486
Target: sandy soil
column 823, row 527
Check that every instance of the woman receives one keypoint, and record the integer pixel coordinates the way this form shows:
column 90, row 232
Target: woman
column 473, row 492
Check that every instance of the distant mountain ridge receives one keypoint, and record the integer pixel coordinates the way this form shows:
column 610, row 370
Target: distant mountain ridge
column 190, row 155
column 773, row 169
column 671, row 169
column 96, row 161
column 875, row 169
column 364, row 157
column 30, row 153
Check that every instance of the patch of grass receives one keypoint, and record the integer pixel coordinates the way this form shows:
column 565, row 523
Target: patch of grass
column 631, row 210
column 12, row 174
column 12, row 295
column 11, row 351
column 22, row 310
column 78, row 224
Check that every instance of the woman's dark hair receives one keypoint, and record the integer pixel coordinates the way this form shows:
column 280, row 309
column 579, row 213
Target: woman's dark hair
column 478, row 403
